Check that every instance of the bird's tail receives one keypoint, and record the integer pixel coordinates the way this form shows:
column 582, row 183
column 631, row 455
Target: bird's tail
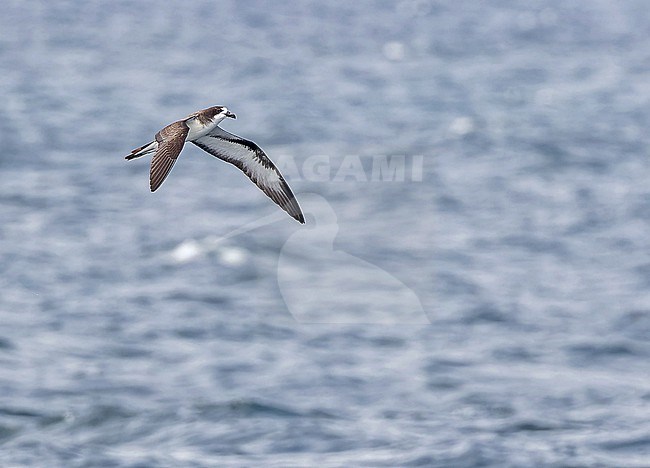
column 143, row 150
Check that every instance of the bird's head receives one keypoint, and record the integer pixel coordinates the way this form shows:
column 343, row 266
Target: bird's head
column 219, row 113
column 212, row 115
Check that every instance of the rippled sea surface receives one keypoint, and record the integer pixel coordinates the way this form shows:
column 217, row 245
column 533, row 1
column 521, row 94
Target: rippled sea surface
column 489, row 306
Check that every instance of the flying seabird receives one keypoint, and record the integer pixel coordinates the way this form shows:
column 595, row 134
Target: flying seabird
column 202, row 129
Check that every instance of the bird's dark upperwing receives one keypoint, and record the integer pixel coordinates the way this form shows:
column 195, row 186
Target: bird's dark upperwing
column 170, row 143
column 250, row 158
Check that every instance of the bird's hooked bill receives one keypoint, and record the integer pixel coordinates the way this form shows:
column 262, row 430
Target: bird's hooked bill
column 231, row 115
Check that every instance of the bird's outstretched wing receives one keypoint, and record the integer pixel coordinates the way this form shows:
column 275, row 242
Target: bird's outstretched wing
column 170, row 143
column 250, row 158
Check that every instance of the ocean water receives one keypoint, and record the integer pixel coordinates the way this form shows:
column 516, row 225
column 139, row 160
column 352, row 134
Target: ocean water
column 480, row 298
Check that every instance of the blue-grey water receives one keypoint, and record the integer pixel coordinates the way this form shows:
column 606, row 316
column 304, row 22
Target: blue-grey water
column 494, row 313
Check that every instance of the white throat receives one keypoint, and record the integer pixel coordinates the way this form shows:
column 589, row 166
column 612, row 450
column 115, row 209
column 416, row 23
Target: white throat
column 197, row 129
